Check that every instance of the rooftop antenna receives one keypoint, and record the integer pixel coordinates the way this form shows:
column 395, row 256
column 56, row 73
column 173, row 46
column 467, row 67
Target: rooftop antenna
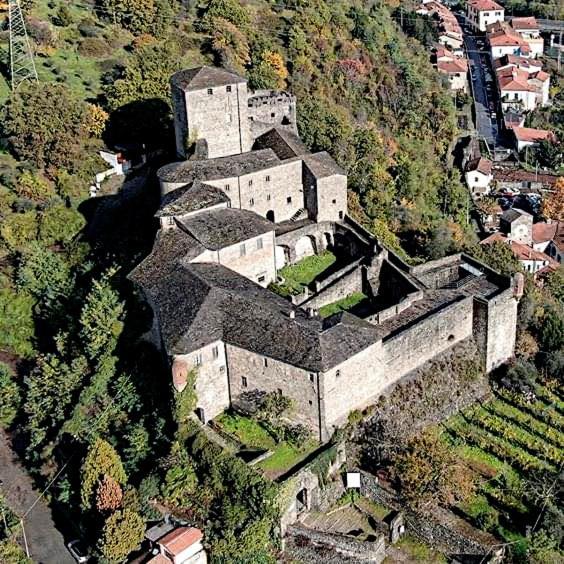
column 22, row 66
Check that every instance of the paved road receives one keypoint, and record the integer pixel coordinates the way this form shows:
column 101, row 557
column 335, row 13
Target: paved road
column 483, row 88
column 46, row 544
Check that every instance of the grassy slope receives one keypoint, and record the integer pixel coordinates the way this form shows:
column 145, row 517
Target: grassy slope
column 302, row 273
column 344, row 304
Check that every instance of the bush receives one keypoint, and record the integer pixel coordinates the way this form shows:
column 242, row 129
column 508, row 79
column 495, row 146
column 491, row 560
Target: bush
column 122, row 533
column 88, row 28
column 94, row 47
column 10, row 394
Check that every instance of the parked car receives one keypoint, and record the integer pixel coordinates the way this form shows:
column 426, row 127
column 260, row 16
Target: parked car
column 78, row 551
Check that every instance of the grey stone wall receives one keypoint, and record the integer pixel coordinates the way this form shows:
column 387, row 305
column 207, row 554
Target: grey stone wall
column 348, row 547
column 411, row 348
column 501, row 329
column 180, row 120
column 273, row 107
column 269, row 375
column 344, row 286
column 441, row 528
column 220, row 118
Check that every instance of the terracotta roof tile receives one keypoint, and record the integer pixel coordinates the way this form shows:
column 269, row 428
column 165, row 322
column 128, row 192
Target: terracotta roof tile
column 180, row 539
column 485, row 5
column 529, row 23
column 480, row 165
column 543, row 232
column 528, row 134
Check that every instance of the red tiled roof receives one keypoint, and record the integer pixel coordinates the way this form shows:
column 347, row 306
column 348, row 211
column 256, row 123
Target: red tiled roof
column 518, row 61
column 514, row 80
column 485, row 5
column 159, row 559
column 453, row 67
column 541, row 75
column 520, row 175
column 521, row 252
column 503, row 39
column 532, row 135
column 480, row 165
column 543, row 232
column 525, row 23
column 180, row 539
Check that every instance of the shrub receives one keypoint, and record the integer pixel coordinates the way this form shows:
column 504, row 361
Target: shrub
column 122, row 533
column 94, row 47
column 10, row 393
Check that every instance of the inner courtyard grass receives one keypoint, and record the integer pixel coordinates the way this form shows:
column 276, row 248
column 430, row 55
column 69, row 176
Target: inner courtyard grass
column 304, row 272
column 343, row 304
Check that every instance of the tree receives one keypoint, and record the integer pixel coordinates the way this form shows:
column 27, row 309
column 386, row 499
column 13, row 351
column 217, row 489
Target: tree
column 122, row 533
column 95, row 119
column 18, row 230
column 17, row 329
column 553, row 203
column 101, row 318
column 10, row 393
column 428, row 473
column 101, row 460
column 34, row 187
column 497, row 255
column 60, row 224
column 180, row 480
column 230, row 45
column 230, row 10
column 45, row 125
column 109, row 495
column 551, row 330
column 12, row 553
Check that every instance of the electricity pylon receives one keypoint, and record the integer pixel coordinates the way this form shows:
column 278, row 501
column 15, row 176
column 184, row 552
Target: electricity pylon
column 22, row 66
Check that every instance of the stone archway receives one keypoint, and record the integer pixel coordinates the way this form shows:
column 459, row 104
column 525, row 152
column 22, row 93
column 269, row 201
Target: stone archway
column 302, row 501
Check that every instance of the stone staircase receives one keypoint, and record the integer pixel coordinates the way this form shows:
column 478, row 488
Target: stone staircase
column 300, row 214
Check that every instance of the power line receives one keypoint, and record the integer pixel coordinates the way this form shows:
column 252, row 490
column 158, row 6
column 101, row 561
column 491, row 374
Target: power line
column 22, row 66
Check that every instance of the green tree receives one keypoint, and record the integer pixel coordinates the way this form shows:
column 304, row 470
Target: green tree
column 60, row 224
column 229, row 10
column 45, row 125
column 10, row 393
column 122, row 533
column 180, row 480
column 551, row 330
column 17, row 329
column 499, row 256
column 101, row 460
column 12, row 553
column 34, row 187
column 101, row 319
column 18, row 230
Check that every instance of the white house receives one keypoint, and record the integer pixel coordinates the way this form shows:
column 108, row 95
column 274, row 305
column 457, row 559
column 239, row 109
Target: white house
column 530, row 66
column 529, row 137
column 182, row 545
column 543, row 234
column 478, row 176
column 456, row 71
column 481, row 13
column 515, row 91
column 541, row 82
column 529, row 30
column 503, row 41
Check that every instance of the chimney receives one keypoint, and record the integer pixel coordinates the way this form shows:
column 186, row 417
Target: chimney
column 292, row 314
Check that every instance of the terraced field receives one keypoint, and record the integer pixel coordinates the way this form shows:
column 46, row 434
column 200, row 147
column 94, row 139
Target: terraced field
column 509, row 440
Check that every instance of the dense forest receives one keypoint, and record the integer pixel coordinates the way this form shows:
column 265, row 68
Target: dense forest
column 87, row 401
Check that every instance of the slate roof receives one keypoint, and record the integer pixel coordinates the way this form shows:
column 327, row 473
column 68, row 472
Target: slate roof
column 216, row 229
column 199, row 303
column 514, row 213
column 284, row 143
column 186, row 172
column 190, row 198
column 204, row 77
column 322, row 165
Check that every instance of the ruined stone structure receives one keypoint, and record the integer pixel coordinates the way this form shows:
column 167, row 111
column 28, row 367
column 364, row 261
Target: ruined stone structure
column 230, row 221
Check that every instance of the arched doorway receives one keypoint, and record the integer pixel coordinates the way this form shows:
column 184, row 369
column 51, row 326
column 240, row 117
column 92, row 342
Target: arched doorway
column 270, row 215
column 302, row 501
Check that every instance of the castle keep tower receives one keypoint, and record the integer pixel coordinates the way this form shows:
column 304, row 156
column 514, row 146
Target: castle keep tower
column 210, row 113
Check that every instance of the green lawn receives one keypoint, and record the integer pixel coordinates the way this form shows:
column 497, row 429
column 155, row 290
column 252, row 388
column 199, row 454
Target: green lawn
column 419, row 551
column 253, row 435
column 299, row 275
column 342, row 305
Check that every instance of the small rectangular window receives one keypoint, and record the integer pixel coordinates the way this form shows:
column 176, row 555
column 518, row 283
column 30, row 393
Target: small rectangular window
column 340, row 215
column 251, row 202
column 228, row 88
column 244, row 382
column 272, row 114
column 215, row 353
column 251, row 182
column 289, row 200
column 268, row 197
column 337, row 374
column 261, row 278
column 198, row 360
column 279, row 390
column 227, row 187
column 268, row 177
column 242, row 250
column 334, row 201
column 170, row 220
column 259, row 244
column 312, row 377
column 210, row 90
column 310, row 402
column 222, row 368
column 265, row 361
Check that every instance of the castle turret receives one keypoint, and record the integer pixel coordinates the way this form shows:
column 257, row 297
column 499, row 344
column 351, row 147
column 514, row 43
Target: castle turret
column 210, row 113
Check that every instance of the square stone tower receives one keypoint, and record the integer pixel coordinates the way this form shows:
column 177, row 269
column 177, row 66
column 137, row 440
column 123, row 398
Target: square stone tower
column 210, row 113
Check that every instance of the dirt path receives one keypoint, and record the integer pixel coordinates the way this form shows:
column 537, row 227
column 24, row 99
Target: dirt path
column 45, row 542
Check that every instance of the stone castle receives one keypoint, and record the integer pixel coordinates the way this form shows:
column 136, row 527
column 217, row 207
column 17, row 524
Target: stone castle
column 248, row 199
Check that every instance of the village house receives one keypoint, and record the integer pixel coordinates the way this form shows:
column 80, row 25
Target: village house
column 530, row 137
column 555, row 248
column 176, row 545
column 478, row 175
column 515, row 91
column 449, row 30
column 519, row 180
column 482, row 13
column 503, row 41
column 230, row 222
column 529, row 29
column 456, row 71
